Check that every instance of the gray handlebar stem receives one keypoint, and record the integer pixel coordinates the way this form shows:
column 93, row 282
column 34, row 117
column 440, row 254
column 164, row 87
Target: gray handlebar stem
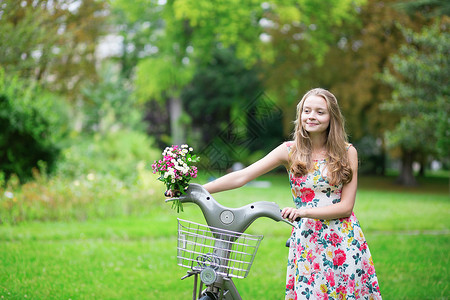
column 233, row 219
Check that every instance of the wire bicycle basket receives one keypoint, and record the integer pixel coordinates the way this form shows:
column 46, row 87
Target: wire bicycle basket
column 229, row 253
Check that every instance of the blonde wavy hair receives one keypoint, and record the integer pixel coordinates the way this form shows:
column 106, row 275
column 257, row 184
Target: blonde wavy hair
column 338, row 164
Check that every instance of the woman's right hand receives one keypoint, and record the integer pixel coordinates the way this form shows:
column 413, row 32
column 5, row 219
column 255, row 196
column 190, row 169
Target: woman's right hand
column 172, row 193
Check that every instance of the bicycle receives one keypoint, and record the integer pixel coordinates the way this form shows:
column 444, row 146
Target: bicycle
column 219, row 251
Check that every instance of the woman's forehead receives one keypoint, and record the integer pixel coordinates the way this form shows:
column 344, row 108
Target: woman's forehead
column 315, row 101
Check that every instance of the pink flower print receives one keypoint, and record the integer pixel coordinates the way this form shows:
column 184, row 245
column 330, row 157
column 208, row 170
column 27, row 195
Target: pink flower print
column 318, row 248
column 311, row 279
column 334, row 238
column 310, row 224
column 298, row 180
column 290, row 284
column 313, row 238
column 330, row 277
column 339, row 257
column 363, row 246
column 299, row 249
column 351, row 286
column 310, row 257
column 318, row 225
column 371, row 270
column 342, row 292
column 316, row 267
column 307, row 194
column 364, row 278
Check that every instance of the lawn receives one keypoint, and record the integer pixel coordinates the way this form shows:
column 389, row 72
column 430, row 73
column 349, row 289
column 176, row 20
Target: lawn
column 408, row 232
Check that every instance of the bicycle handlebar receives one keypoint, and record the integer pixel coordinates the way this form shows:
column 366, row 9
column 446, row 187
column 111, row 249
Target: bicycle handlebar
column 234, row 219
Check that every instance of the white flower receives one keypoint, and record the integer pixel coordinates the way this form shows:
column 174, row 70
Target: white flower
column 184, row 146
column 189, row 159
column 9, row 195
column 90, row 176
column 190, row 149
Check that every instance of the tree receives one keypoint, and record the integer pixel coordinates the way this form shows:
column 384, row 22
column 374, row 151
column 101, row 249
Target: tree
column 184, row 35
column 53, row 42
column 420, row 96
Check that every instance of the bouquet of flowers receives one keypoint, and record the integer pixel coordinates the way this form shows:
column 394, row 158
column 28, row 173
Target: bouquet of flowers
column 176, row 169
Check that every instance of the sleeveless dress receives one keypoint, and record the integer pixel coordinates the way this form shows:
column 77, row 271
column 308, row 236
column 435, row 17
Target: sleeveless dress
column 328, row 259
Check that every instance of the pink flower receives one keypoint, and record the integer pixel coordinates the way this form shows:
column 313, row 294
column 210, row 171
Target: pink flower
column 313, row 238
column 363, row 246
column 318, row 225
column 339, row 257
column 351, row 286
column 330, row 277
column 299, row 249
column 290, row 284
column 321, row 296
column 298, row 180
column 316, row 267
column 342, row 292
column 334, row 238
column 310, row 224
column 310, row 257
column 307, row 194
column 311, row 279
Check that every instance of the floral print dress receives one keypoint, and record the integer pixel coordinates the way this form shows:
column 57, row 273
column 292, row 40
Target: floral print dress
column 328, row 259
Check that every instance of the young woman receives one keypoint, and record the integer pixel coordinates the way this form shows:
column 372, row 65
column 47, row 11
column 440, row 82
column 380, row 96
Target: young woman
column 328, row 254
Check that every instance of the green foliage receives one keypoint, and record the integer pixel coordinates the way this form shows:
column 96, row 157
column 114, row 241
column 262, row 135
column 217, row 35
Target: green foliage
column 53, row 42
column 421, row 92
column 98, row 176
column 110, row 105
column 160, row 78
column 115, row 154
column 34, row 124
column 90, row 196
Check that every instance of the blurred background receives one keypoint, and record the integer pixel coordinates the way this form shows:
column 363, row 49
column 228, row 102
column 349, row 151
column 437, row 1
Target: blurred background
column 96, row 89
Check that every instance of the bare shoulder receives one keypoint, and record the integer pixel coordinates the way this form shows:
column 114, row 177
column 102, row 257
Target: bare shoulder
column 282, row 151
column 352, row 155
column 352, row 150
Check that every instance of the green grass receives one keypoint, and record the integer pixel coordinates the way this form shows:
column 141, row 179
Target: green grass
column 408, row 232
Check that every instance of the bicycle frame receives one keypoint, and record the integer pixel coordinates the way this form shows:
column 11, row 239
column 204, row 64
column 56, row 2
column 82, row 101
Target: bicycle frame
column 221, row 250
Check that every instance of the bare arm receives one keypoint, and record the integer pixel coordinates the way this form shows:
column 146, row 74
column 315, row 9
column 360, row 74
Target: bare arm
column 342, row 209
column 277, row 157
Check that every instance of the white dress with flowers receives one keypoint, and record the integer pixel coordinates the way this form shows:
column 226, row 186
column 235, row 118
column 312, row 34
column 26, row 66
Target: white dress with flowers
column 328, row 259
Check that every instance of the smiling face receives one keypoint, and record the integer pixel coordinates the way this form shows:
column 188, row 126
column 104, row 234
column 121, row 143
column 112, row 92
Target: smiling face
column 315, row 117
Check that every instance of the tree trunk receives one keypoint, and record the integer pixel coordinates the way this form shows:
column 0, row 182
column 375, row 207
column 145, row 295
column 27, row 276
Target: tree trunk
column 176, row 128
column 406, row 176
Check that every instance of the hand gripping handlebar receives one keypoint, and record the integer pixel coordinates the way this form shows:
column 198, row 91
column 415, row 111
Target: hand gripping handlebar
column 233, row 219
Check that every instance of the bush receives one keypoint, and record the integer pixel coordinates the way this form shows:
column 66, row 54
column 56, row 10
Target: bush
column 92, row 196
column 97, row 176
column 33, row 125
column 115, row 154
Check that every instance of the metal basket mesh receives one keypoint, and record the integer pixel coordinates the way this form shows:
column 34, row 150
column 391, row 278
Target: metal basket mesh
column 229, row 253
